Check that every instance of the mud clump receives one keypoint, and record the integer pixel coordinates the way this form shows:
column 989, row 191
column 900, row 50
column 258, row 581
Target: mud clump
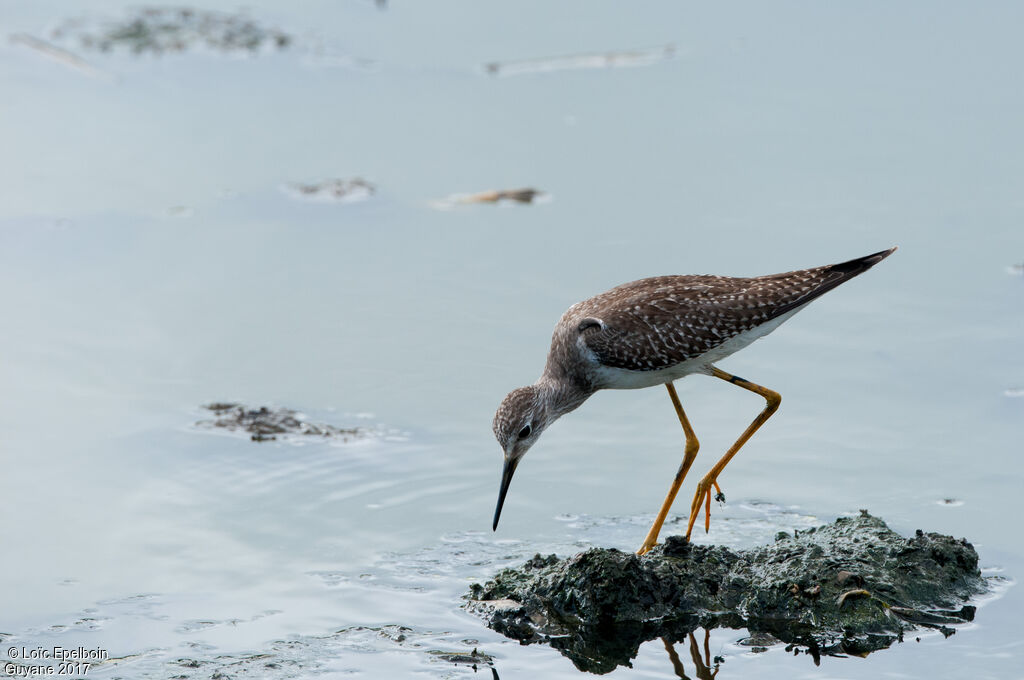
column 850, row 587
column 268, row 424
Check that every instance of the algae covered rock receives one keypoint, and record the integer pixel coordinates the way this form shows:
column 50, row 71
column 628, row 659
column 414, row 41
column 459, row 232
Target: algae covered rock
column 850, row 587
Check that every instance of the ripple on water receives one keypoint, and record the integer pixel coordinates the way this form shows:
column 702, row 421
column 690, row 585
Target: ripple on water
column 348, row 650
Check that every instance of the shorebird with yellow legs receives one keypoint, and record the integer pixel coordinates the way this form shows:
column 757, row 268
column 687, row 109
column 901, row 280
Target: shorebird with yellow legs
column 653, row 332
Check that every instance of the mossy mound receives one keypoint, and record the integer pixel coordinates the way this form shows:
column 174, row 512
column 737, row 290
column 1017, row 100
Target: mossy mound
column 850, row 587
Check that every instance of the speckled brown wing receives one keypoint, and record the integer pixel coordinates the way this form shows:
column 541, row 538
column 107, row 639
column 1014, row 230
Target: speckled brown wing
column 656, row 323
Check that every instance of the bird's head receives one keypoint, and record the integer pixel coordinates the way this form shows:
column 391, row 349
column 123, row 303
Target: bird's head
column 518, row 423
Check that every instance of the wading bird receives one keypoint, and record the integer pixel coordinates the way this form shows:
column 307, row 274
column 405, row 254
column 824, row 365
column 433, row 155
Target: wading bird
column 652, row 332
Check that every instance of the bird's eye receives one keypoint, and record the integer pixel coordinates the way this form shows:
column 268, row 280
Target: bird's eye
column 525, row 432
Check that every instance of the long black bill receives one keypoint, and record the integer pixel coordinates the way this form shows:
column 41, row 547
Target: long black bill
column 506, row 479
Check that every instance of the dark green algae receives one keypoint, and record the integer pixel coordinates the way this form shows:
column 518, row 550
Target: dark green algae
column 850, row 587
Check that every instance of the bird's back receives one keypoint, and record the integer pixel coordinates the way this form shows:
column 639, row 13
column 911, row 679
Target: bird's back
column 657, row 323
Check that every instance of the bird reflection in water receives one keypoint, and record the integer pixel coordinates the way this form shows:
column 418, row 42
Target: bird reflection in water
column 703, row 665
column 705, row 668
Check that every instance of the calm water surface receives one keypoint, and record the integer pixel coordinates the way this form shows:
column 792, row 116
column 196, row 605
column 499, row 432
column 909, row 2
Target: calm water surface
column 150, row 263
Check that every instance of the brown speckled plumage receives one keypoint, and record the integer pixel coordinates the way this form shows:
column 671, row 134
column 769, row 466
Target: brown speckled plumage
column 653, row 324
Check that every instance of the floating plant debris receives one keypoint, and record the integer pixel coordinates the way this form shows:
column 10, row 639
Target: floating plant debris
column 57, row 54
column 525, row 196
column 629, row 58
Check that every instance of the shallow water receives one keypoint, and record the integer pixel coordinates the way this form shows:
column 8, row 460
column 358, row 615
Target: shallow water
column 151, row 263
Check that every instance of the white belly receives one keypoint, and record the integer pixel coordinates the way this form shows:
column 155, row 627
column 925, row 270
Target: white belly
column 622, row 379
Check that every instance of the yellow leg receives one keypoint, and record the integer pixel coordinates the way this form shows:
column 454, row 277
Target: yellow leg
column 704, row 486
column 695, row 653
column 677, row 664
column 702, row 666
column 692, row 445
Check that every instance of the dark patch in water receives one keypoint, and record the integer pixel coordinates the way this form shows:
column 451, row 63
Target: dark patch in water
column 156, row 30
column 474, row 659
column 267, row 424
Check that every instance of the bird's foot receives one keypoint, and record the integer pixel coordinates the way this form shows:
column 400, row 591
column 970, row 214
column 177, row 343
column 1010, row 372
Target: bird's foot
column 651, row 540
column 646, row 547
column 702, row 497
column 720, row 496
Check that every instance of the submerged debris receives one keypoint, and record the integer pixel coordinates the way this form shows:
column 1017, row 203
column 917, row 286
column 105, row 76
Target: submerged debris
column 332, row 190
column 473, row 659
column 642, row 57
column 183, row 211
column 268, row 424
column 850, row 587
column 1016, row 269
column 525, row 195
column 156, row 30
column 437, row 654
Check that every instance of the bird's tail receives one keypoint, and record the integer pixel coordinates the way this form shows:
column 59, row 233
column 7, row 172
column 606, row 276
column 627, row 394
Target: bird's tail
column 828, row 277
column 860, row 264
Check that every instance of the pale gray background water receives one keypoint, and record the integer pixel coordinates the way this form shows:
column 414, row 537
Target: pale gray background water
column 781, row 136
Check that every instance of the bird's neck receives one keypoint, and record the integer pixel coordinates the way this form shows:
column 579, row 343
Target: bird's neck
column 562, row 395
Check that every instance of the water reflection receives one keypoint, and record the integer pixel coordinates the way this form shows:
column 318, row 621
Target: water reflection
column 703, row 666
column 603, row 651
